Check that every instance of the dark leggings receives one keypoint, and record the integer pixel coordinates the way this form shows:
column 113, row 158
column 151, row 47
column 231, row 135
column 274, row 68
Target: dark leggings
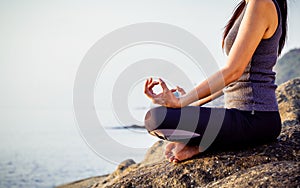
column 218, row 127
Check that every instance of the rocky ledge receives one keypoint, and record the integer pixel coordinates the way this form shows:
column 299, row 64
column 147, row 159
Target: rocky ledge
column 271, row 165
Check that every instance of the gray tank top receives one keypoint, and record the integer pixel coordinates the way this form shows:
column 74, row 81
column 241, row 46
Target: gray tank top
column 255, row 90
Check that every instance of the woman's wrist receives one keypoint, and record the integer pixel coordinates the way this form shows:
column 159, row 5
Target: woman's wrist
column 187, row 99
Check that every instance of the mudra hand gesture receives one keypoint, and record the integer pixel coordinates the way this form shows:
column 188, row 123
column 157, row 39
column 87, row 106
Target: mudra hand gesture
column 166, row 97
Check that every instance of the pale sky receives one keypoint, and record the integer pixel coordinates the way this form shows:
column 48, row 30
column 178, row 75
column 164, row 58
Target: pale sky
column 43, row 42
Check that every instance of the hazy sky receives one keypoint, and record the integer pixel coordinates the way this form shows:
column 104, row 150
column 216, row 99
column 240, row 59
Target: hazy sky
column 43, row 42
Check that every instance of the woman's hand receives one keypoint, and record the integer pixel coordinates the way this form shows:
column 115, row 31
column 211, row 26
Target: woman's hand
column 180, row 90
column 166, row 97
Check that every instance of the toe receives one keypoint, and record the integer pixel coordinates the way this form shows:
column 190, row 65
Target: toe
column 175, row 160
column 172, row 158
column 169, row 147
column 168, row 155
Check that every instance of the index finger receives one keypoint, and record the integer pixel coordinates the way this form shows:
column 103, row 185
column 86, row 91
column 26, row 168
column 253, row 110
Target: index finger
column 163, row 85
column 148, row 91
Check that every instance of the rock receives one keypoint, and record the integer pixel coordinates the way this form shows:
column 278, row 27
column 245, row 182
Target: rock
column 215, row 168
column 88, row 182
column 122, row 167
column 154, row 154
column 288, row 66
column 275, row 174
column 288, row 96
column 128, row 127
column 134, row 127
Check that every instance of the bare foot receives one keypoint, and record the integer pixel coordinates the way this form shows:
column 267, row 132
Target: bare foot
column 176, row 151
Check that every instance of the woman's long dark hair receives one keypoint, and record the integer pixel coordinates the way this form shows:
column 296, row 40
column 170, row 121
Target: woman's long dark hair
column 239, row 9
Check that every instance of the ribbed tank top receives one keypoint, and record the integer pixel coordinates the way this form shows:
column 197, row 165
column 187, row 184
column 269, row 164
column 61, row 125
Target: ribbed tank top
column 255, row 89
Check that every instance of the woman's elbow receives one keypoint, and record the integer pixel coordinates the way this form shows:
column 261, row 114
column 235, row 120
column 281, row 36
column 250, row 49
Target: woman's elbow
column 231, row 75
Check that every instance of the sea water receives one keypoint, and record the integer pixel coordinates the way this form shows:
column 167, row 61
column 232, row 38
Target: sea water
column 44, row 148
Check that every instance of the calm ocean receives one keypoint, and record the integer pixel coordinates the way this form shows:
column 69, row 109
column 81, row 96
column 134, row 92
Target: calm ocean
column 43, row 148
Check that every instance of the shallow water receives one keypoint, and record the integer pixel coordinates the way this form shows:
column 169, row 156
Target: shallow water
column 43, row 148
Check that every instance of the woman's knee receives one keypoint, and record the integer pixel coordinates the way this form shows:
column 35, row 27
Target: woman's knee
column 154, row 118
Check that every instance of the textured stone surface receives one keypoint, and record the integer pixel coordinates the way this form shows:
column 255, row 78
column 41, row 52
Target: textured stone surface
column 154, row 154
column 88, row 182
column 288, row 97
column 258, row 166
column 275, row 174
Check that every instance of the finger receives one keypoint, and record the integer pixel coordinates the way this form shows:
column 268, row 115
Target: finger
column 163, row 85
column 150, row 87
column 150, row 80
column 146, row 86
column 180, row 90
column 173, row 90
column 149, row 93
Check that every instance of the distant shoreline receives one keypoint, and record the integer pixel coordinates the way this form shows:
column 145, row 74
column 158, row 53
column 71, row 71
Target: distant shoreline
column 127, row 127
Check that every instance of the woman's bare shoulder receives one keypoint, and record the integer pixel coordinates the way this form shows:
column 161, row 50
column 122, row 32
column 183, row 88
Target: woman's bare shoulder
column 266, row 10
column 262, row 3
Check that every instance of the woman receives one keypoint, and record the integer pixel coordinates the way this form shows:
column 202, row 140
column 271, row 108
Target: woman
column 253, row 39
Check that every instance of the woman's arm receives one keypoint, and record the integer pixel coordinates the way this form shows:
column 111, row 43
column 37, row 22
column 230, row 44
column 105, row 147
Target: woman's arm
column 254, row 26
column 208, row 99
column 257, row 21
